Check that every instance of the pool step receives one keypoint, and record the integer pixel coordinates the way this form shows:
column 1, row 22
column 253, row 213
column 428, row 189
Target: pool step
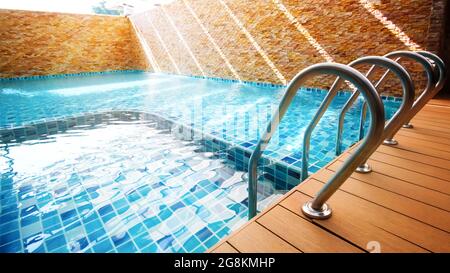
column 268, row 201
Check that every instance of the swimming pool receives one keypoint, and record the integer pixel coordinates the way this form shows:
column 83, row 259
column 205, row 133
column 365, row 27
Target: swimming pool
column 125, row 183
column 77, row 176
column 231, row 111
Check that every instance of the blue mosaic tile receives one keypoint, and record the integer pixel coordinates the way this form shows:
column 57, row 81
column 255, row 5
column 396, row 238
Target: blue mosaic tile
column 107, row 217
column 55, row 242
column 51, row 222
column 150, row 249
column 79, row 244
column 118, row 240
column 13, row 225
column 69, row 215
column 93, row 226
column 9, row 237
column 128, row 247
column 11, row 247
column 165, row 242
column 151, row 222
column 103, row 246
column 143, row 240
column 29, row 220
column 97, row 235
column 62, row 249
column 105, row 210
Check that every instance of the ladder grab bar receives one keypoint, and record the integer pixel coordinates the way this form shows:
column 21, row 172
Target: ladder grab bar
column 396, row 54
column 423, row 98
column 426, row 96
column 317, row 207
column 441, row 69
column 400, row 115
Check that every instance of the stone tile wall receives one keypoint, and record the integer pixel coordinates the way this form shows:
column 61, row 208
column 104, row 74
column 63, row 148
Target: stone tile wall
column 43, row 43
column 272, row 40
column 264, row 40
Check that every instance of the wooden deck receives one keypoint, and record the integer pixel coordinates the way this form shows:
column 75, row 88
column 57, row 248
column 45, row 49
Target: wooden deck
column 402, row 206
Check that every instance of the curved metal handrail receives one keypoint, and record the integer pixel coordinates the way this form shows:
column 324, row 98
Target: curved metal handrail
column 427, row 95
column 441, row 68
column 408, row 99
column 423, row 97
column 317, row 207
column 400, row 114
column 395, row 125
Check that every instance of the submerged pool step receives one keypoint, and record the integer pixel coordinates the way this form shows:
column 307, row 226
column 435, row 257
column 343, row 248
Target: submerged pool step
column 263, row 204
column 281, row 176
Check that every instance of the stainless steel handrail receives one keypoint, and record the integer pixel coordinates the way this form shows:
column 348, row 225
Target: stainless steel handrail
column 346, row 107
column 389, row 138
column 429, row 70
column 408, row 99
column 428, row 94
column 317, row 207
column 441, row 68
column 400, row 114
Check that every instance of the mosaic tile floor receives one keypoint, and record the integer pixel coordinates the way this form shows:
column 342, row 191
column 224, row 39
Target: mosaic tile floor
column 119, row 186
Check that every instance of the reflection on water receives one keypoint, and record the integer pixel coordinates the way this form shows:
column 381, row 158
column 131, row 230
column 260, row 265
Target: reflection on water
column 124, row 186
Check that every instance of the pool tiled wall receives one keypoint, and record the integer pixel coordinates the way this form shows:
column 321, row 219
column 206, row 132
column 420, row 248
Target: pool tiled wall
column 272, row 40
column 45, row 43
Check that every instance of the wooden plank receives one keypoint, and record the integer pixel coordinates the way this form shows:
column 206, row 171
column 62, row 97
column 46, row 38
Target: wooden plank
column 426, row 169
column 427, row 196
column 434, row 110
column 358, row 231
column 224, row 248
column 410, row 176
column 440, row 102
column 431, row 127
column 419, row 233
column 430, row 138
column 418, row 167
column 427, row 116
column 426, row 159
column 409, row 146
column 422, row 143
column 431, row 115
column 423, row 212
column 428, row 121
column 426, row 132
column 432, row 121
column 303, row 234
column 255, row 238
column 433, row 107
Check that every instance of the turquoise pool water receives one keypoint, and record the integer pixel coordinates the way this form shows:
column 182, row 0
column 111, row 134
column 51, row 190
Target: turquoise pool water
column 231, row 111
column 126, row 184
column 93, row 173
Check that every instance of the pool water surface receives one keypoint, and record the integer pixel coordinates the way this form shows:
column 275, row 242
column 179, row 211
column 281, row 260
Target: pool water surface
column 145, row 162
column 123, row 185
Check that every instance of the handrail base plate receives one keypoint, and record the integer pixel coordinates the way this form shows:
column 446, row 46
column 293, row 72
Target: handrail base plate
column 390, row 142
column 364, row 168
column 408, row 125
column 323, row 213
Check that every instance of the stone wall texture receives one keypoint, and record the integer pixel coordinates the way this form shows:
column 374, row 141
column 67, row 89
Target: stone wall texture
column 264, row 40
column 272, row 40
column 41, row 43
